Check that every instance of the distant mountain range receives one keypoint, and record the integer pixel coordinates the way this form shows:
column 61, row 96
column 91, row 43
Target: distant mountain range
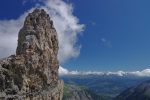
column 140, row 92
column 106, row 87
column 74, row 92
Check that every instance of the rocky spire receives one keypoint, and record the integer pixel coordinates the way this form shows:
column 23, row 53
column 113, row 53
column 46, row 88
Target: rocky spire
column 34, row 68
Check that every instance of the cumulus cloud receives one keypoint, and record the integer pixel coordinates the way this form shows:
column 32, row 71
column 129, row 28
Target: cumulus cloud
column 64, row 71
column 143, row 73
column 66, row 24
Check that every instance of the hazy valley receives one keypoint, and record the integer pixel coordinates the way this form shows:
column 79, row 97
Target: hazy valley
column 102, row 87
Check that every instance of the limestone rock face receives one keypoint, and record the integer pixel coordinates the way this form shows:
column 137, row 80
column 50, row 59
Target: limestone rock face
column 32, row 74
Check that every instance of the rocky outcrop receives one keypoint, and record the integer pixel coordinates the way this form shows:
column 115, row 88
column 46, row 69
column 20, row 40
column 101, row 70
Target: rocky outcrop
column 32, row 74
column 140, row 92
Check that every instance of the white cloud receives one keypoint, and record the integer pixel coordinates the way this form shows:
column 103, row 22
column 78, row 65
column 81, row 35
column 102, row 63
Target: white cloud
column 105, row 42
column 9, row 33
column 143, row 73
column 118, row 73
column 64, row 71
column 66, row 24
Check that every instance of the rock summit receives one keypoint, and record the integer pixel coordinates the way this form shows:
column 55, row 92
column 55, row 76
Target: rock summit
column 32, row 74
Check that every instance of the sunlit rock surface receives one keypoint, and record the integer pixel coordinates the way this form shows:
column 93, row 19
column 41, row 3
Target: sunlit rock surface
column 32, row 74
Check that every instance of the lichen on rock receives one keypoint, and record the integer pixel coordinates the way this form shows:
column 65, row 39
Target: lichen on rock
column 32, row 74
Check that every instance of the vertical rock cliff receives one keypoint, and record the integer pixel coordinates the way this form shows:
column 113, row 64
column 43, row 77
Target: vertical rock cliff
column 32, row 74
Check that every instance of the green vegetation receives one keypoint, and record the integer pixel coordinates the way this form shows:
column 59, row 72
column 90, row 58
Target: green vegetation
column 68, row 88
column 67, row 93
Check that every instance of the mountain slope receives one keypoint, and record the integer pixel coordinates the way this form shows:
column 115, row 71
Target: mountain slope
column 74, row 92
column 104, row 86
column 141, row 92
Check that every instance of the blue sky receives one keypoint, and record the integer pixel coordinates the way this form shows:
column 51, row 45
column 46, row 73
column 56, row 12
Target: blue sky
column 116, row 35
column 125, row 27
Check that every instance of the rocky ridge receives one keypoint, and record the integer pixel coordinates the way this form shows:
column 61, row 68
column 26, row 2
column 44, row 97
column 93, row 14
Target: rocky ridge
column 140, row 92
column 32, row 74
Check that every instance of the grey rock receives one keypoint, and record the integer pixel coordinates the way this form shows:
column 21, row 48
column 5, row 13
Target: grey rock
column 32, row 74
